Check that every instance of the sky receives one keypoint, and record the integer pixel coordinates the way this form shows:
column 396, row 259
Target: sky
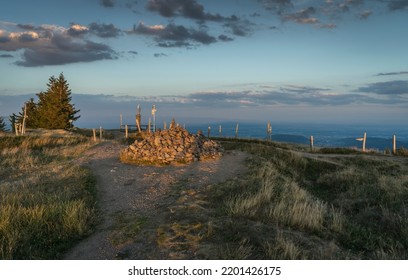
column 316, row 61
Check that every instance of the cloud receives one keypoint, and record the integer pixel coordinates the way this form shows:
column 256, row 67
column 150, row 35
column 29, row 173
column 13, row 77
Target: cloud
column 53, row 45
column 173, row 35
column 6, row 56
column 160, row 55
column 108, row 3
column 77, row 30
column 397, row 87
column 394, row 5
column 192, row 10
column 185, row 8
column 301, row 89
column 133, row 52
column 392, row 73
column 276, row 5
column 303, row 16
column 241, row 28
column 365, row 14
column 328, row 26
column 104, row 30
column 65, row 52
column 225, row 38
column 100, row 30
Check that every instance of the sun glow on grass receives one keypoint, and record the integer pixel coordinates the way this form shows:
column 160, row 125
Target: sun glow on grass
column 47, row 202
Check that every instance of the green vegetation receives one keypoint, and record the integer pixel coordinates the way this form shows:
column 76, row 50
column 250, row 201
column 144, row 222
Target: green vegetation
column 2, row 124
column 53, row 109
column 292, row 205
column 47, row 203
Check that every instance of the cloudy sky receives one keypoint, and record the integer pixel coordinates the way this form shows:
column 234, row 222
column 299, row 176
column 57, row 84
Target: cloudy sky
column 339, row 61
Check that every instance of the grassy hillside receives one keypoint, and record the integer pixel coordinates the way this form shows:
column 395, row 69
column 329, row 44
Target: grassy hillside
column 46, row 202
column 291, row 204
column 294, row 205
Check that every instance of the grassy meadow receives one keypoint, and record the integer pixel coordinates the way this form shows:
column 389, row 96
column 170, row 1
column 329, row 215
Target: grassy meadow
column 47, row 203
column 289, row 206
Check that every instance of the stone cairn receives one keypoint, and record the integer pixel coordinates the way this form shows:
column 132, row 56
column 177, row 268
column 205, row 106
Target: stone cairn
column 175, row 145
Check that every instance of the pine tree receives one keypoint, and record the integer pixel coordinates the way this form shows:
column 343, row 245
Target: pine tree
column 2, row 124
column 32, row 116
column 54, row 108
column 13, row 119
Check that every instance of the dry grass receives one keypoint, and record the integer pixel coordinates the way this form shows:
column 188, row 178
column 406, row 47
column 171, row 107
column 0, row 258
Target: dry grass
column 291, row 207
column 47, row 203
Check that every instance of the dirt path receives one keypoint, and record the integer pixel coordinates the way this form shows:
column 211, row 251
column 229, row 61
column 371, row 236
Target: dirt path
column 129, row 195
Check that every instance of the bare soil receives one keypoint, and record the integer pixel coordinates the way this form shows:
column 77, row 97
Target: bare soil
column 131, row 200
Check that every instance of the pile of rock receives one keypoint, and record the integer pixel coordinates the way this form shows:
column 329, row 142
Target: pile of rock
column 173, row 145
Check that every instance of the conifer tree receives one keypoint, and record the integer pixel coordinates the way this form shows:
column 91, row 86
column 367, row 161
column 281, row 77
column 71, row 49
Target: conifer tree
column 13, row 120
column 2, row 124
column 32, row 116
column 54, row 108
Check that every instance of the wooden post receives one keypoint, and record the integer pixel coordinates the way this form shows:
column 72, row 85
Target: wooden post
column 94, row 134
column 164, row 126
column 121, row 120
column 364, row 142
column 269, row 131
column 311, row 143
column 236, row 131
column 209, row 131
column 138, row 117
column 100, row 133
column 126, row 131
column 138, row 126
column 16, row 128
column 394, row 144
column 148, row 126
column 23, row 127
column 220, row 130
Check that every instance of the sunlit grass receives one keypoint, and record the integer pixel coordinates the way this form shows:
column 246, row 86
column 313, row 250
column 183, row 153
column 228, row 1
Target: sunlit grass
column 46, row 201
column 291, row 207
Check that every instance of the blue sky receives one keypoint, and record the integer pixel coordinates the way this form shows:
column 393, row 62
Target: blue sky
column 333, row 61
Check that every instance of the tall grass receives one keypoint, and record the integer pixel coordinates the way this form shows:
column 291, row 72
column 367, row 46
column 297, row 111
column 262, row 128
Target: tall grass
column 46, row 202
column 291, row 207
column 281, row 200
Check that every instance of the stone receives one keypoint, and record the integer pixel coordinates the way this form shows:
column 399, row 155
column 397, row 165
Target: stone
column 167, row 146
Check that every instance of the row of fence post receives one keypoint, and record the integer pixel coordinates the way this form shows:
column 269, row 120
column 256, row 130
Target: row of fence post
column 364, row 143
column 268, row 132
column 269, row 137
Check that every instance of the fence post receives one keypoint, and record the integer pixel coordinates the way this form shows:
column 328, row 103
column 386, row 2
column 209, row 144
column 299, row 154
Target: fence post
column 138, row 126
column 126, row 132
column 164, row 125
column 94, row 134
column 311, row 143
column 23, row 126
column 364, row 142
column 394, row 144
column 209, row 131
column 236, row 131
column 220, row 130
column 269, row 131
column 100, row 133
column 121, row 121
